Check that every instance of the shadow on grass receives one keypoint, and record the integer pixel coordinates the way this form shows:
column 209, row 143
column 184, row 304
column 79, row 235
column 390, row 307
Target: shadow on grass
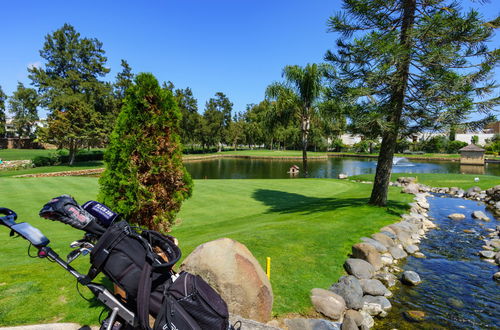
column 285, row 202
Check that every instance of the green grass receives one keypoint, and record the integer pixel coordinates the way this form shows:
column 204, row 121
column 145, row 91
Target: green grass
column 51, row 169
column 260, row 153
column 23, row 154
column 464, row 181
column 306, row 226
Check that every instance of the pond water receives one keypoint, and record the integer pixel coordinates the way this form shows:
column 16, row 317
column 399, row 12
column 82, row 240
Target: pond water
column 238, row 168
column 458, row 291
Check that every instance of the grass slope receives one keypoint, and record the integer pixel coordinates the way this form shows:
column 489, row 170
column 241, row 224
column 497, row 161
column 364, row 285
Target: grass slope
column 306, row 226
column 464, row 181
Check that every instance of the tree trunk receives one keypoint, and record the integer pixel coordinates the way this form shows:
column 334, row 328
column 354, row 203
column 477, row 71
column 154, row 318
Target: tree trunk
column 305, row 135
column 389, row 138
column 72, row 151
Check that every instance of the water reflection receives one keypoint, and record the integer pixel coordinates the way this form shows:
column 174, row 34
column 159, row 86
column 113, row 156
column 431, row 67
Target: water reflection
column 229, row 168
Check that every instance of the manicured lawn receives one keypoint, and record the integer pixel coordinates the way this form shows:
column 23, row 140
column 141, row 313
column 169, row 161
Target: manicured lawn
column 261, row 153
column 23, row 154
column 306, row 226
column 464, row 181
column 55, row 168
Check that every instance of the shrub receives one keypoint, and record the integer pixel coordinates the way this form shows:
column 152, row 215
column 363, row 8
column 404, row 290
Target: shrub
column 454, row 146
column 337, row 145
column 51, row 159
column 144, row 177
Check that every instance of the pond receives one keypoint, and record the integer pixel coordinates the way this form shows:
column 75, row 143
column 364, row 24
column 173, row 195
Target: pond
column 457, row 289
column 238, row 168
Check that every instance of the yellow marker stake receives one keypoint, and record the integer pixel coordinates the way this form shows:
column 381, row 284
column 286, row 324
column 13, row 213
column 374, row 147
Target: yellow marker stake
column 268, row 267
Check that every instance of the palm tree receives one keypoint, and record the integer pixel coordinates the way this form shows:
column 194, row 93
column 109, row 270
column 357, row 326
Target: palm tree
column 298, row 97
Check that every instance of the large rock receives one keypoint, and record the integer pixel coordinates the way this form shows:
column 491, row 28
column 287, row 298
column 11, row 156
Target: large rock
column 349, row 288
column 411, row 278
column 367, row 252
column 376, row 305
column 368, row 321
column 383, row 239
column 456, row 216
column 411, row 188
column 397, row 253
column 388, row 279
column 251, row 324
column 328, row 303
column 379, row 246
column 359, row 268
column 374, row 287
column 480, row 216
column 411, row 249
column 355, row 315
column 231, row 269
column 311, row 324
column 349, row 324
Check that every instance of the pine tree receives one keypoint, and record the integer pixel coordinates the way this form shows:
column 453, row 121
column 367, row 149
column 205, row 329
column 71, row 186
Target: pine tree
column 3, row 97
column 217, row 117
column 144, row 177
column 23, row 104
column 411, row 65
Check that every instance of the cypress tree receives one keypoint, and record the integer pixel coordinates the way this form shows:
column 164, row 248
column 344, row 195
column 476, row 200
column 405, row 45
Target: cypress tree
column 144, row 177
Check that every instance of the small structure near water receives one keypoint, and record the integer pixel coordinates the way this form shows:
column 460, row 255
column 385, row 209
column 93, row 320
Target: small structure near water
column 294, row 170
column 472, row 155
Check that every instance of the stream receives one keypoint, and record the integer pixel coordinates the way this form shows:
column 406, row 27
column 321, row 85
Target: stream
column 458, row 291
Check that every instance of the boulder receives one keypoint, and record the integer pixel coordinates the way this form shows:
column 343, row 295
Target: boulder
column 359, row 268
column 349, row 324
column 311, row 324
column 349, row 288
column 496, row 276
column 387, row 259
column 397, row 253
column 388, row 279
column 379, row 246
column 383, row 239
column 414, row 316
column 355, row 315
column 487, row 254
column 411, row 278
column 231, row 269
column 497, row 258
column 368, row 321
column 376, row 305
column 411, row 188
column 328, row 303
column 367, row 252
column 411, row 249
column 480, row 216
column 456, row 216
column 419, row 255
column 374, row 287
column 251, row 324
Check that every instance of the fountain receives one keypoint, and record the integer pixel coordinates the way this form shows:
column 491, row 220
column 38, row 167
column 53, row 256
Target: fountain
column 401, row 161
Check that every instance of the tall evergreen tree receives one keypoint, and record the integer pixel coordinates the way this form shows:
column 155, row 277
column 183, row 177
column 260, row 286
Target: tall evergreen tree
column 412, row 64
column 23, row 105
column 144, row 177
column 3, row 97
column 71, row 89
column 188, row 106
column 124, row 79
column 217, row 116
column 298, row 97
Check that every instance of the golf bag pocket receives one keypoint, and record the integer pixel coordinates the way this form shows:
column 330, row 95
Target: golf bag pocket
column 174, row 317
column 201, row 301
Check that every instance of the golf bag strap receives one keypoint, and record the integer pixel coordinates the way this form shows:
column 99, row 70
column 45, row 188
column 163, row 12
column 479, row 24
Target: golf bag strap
column 102, row 255
column 143, row 293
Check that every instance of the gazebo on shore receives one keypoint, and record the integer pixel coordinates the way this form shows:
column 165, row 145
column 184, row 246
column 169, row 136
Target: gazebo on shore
column 472, row 155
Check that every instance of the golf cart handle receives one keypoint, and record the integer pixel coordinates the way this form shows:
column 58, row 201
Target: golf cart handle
column 24, row 229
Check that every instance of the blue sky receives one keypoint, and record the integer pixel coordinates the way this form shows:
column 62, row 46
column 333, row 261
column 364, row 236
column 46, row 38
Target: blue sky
column 237, row 47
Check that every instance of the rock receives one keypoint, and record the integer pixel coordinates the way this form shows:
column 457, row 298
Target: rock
column 474, row 189
column 328, row 303
column 496, row 276
column 231, row 269
column 374, row 287
column 487, row 254
column 342, row 176
column 397, row 253
column 419, row 255
column 456, row 216
column 376, row 305
column 367, row 252
column 411, row 188
column 454, row 302
column 411, row 249
column 480, row 216
column 468, row 231
column 387, row 259
column 359, row 268
column 388, row 279
column 411, row 278
column 349, row 288
column 379, row 246
column 251, row 324
column 383, row 239
column 349, row 324
column 355, row 315
column 414, row 316
column 368, row 321
column 423, row 204
column 497, row 258
column 311, row 324
column 495, row 243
